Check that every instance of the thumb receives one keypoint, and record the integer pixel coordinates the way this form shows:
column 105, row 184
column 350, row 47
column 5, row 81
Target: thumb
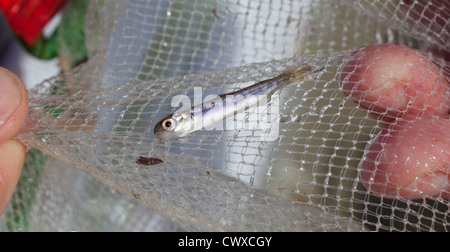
column 13, row 112
column 13, row 104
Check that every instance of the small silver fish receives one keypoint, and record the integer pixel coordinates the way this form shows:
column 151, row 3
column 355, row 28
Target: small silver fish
column 182, row 123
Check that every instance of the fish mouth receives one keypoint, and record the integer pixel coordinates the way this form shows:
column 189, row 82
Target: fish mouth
column 163, row 134
column 157, row 130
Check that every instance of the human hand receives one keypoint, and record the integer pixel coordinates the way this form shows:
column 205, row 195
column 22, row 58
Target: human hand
column 409, row 94
column 410, row 158
column 13, row 112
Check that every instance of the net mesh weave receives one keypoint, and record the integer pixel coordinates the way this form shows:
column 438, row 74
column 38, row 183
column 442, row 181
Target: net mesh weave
column 99, row 118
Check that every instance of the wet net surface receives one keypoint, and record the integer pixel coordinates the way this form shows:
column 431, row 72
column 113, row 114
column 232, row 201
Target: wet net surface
column 90, row 126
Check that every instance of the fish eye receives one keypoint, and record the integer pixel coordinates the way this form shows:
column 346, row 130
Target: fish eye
column 167, row 124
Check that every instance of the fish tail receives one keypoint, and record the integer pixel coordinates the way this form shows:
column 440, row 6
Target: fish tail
column 298, row 74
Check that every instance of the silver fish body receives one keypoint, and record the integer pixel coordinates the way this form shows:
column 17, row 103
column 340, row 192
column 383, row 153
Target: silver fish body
column 184, row 122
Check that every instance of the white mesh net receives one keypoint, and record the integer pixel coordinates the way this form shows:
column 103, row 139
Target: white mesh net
column 99, row 118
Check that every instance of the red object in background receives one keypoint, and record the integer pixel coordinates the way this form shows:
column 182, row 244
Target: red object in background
column 27, row 18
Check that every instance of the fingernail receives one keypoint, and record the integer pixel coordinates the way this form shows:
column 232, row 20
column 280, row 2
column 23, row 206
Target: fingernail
column 9, row 95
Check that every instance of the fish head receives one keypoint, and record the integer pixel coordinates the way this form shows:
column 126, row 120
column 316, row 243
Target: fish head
column 174, row 126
